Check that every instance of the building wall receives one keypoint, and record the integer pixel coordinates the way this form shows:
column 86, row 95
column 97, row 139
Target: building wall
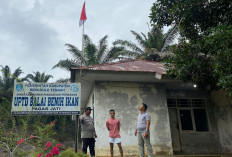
column 223, row 114
column 90, row 103
column 194, row 142
column 125, row 99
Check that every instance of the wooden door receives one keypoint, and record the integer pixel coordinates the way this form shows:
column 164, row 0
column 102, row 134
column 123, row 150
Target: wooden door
column 175, row 132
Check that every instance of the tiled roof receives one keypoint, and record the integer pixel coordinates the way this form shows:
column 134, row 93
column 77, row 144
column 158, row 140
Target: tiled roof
column 128, row 66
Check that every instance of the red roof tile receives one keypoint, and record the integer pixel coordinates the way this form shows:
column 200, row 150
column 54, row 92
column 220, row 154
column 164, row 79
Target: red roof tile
column 128, row 66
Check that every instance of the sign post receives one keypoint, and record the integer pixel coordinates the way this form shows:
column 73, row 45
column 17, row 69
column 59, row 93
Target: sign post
column 76, row 133
column 47, row 99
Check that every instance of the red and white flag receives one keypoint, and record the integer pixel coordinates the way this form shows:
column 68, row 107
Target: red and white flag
column 83, row 16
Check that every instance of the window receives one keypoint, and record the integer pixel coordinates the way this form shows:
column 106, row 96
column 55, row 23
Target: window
column 198, row 103
column 186, row 120
column 200, row 120
column 192, row 114
column 183, row 102
column 171, row 102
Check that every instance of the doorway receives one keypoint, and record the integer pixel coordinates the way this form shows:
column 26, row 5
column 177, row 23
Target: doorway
column 175, row 131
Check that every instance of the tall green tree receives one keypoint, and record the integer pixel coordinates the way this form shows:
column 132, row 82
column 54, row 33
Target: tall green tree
column 194, row 18
column 93, row 54
column 203, row 55
column 153, row 46
column 7, row 81
column 38, row 77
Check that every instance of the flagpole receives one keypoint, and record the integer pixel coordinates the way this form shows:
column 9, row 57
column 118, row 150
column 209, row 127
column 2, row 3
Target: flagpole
column 83, row 51
column 82, row 19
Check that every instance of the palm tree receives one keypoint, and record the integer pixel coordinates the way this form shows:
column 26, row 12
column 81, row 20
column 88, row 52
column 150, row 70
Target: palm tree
column 151, row 47
column 38, row 77
column 94, row 54
column 62, row 80
column 7, row 81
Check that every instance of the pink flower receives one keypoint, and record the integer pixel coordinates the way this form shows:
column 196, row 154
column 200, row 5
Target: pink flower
column 45, row 148
column 58, row 145
column 52, row 123
column 31, row 136
column 39, row 154
column 49, row 155
column 20, row 141
column 55, row 151
column 49, row 144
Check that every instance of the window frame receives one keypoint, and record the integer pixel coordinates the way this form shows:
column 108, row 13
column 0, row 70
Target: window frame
column 191, row 108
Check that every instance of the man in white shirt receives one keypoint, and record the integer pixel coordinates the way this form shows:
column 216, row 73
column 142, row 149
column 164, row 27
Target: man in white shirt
column 142, row 131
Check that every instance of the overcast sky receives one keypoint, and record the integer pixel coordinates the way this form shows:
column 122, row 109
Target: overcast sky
column 33, row 32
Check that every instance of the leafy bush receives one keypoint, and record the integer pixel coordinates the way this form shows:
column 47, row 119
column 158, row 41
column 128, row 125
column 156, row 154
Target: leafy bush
column 70, row 153
column 45, row 134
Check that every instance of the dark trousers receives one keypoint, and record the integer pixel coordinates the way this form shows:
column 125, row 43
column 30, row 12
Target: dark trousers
column 88, row 142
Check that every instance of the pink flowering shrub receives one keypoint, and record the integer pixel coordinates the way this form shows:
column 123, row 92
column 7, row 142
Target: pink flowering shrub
column 20, row 141
column 55, row 151
column 13, row 137
column 42, row 139
column 48, row 144
column 46, row 134
column 50, row 151
column 40, row 154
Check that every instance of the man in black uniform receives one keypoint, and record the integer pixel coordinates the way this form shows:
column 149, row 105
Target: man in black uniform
column 88, row 133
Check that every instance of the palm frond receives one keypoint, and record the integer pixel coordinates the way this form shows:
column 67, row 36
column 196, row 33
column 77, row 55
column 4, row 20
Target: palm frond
column 102, row 48
column 62, row 80
column 77, row 54
column 155, row 38
column 139, row 38
column 47, row 77
column 31, row 77
column 42, row 77
column 17, row 72
column 103, row 41
column 128, row 44
column 87, row 39
column 15, row 76
column 113, row 53
column 38, row 77
column 6, row 72
column 90, row 53
column 128, row 53
column 145, row 37
column 155, row 55
column 155, row 31
column 1, row 81
column 67, row 64
column 7, row 80
column 169, row 37
column 23, row 79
